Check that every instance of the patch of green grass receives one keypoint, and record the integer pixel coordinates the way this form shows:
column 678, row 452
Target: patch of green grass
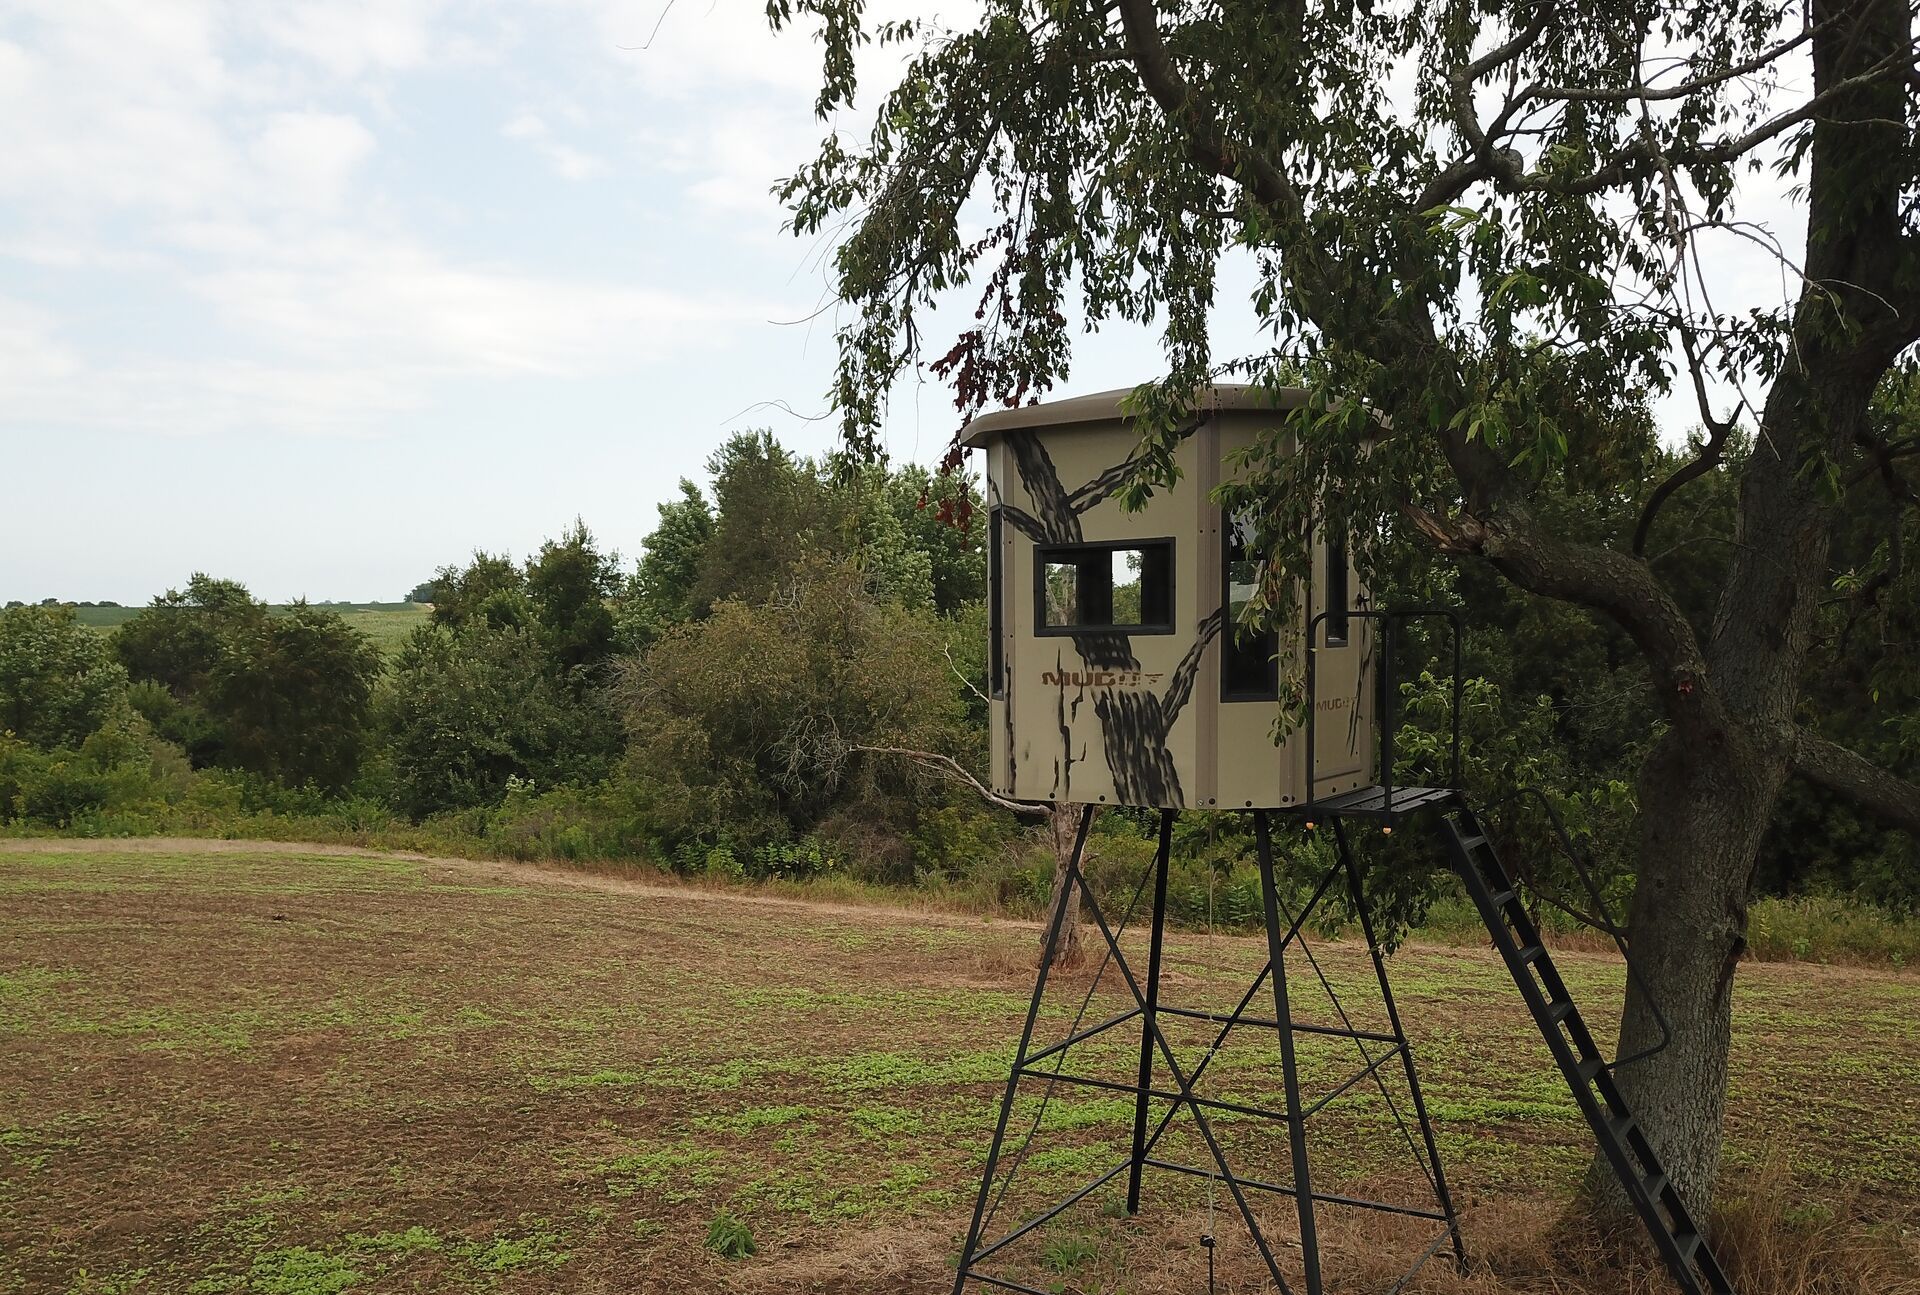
column 754, row 1117
column 1064, row 1254
column 595, row 1079
column 414, row 1240
column 300, row 1270
column 539, row 1248
column 679, row 1172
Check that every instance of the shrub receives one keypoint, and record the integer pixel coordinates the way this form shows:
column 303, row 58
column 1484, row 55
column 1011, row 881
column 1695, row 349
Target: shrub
column 755, row 718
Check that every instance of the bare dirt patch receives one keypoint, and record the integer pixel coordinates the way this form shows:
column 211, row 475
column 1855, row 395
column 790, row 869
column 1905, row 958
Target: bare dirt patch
column 244, row 1066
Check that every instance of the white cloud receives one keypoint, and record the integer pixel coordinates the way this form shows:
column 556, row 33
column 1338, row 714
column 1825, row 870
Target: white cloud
column 568, row 162
column 526, row 125
column 149, row 141
column 308, row 158
column 351, row 38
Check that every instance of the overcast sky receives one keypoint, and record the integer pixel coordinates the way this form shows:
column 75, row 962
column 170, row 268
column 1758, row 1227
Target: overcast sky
column 322, row 294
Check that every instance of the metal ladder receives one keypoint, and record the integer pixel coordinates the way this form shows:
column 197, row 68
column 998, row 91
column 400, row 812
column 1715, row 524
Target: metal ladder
column 1669, row 1223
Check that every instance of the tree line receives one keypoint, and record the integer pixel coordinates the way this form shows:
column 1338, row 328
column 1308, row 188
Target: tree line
column 704, row 706
column 711, row 703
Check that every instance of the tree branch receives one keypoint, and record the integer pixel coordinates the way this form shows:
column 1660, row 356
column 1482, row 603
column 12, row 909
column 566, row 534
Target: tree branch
column 952, row 768
column 1718, row 430
column 1869, row 788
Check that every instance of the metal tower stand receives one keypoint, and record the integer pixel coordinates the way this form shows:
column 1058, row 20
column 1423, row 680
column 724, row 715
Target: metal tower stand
column 1376, row 1050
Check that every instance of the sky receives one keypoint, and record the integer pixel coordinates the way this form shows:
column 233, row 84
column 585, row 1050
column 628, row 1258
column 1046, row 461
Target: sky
column 321, row 295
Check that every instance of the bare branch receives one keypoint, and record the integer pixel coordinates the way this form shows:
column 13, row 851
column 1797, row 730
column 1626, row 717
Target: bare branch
column 1651, row 94
column 971, row 686
column 1718, row 430
column 952, row 768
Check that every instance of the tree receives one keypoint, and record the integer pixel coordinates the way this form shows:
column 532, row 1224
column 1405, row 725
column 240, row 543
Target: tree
column 661, row 593
column 770, row 508
column 427, row 591
column 937, row 511
column 59, row 681
column 1504, row 263
column 292, row 695
column 490, row 588
column 468, row 710
column 751, row 722
column 180, row 636
column 570, row 582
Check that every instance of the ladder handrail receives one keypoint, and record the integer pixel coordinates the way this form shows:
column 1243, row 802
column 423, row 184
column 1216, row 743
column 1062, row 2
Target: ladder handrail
column 1384, row 720
column 1621, row 1139
column 1618, row 933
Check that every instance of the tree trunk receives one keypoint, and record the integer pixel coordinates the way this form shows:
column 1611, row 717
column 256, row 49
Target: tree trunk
column 1708, row 791
column 1702, row 815
column 1062, row 829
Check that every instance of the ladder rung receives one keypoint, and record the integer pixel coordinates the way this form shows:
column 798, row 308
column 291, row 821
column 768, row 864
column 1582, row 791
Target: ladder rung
column 1688, row 1242
column 1654, row 1185
column 1533, row 953
column 1472, row 842
column 1561, row 1010
column 1619, row 1126
column 1502, row 899
column 1590, row 1069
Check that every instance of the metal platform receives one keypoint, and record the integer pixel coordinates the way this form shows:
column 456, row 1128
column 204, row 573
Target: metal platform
column 1380, row 804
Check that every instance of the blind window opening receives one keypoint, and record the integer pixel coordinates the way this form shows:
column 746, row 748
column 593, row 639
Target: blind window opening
column 1126, row 588
column 1249, row 667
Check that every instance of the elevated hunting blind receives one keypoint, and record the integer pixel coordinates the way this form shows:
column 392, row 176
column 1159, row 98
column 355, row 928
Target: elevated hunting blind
column 1121, row 673
column 1120, row 670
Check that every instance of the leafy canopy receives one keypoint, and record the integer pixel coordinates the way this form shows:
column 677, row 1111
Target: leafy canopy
column 1460, row 213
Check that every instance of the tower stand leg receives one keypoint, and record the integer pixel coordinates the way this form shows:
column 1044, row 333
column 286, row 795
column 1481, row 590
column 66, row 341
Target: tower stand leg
column 1071, row 878
column 1406, row 1049
column 1151, row 1010
column 1289, row 1068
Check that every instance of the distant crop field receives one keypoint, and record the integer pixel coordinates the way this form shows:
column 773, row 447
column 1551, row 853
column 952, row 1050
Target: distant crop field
column 235, row 1066
column 388, row 624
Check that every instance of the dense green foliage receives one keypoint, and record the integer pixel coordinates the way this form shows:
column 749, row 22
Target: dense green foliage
column 283, row 696
column 749, row 725
column 58, row 681
column 709, row 710
column 467, row 710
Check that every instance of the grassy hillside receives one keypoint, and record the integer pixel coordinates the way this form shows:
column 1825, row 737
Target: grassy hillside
column 386, row 623
column 239, row 1067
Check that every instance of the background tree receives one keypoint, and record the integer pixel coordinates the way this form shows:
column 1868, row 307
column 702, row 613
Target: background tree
column 937, row 511
column 489, row 588
column 661, row 593
column 1504, row 261
column 292, row 694
column 178, row 639
column 171, row 651
column 59, row 681
column 570, row 582
column 468, row 710
column 769, row 506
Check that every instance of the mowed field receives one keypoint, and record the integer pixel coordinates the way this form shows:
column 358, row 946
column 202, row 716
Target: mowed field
column 387, row 624
column 243, row 1067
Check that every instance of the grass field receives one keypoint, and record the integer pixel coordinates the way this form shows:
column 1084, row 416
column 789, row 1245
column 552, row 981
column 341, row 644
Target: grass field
column 232, row 1066
column 386, row 623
